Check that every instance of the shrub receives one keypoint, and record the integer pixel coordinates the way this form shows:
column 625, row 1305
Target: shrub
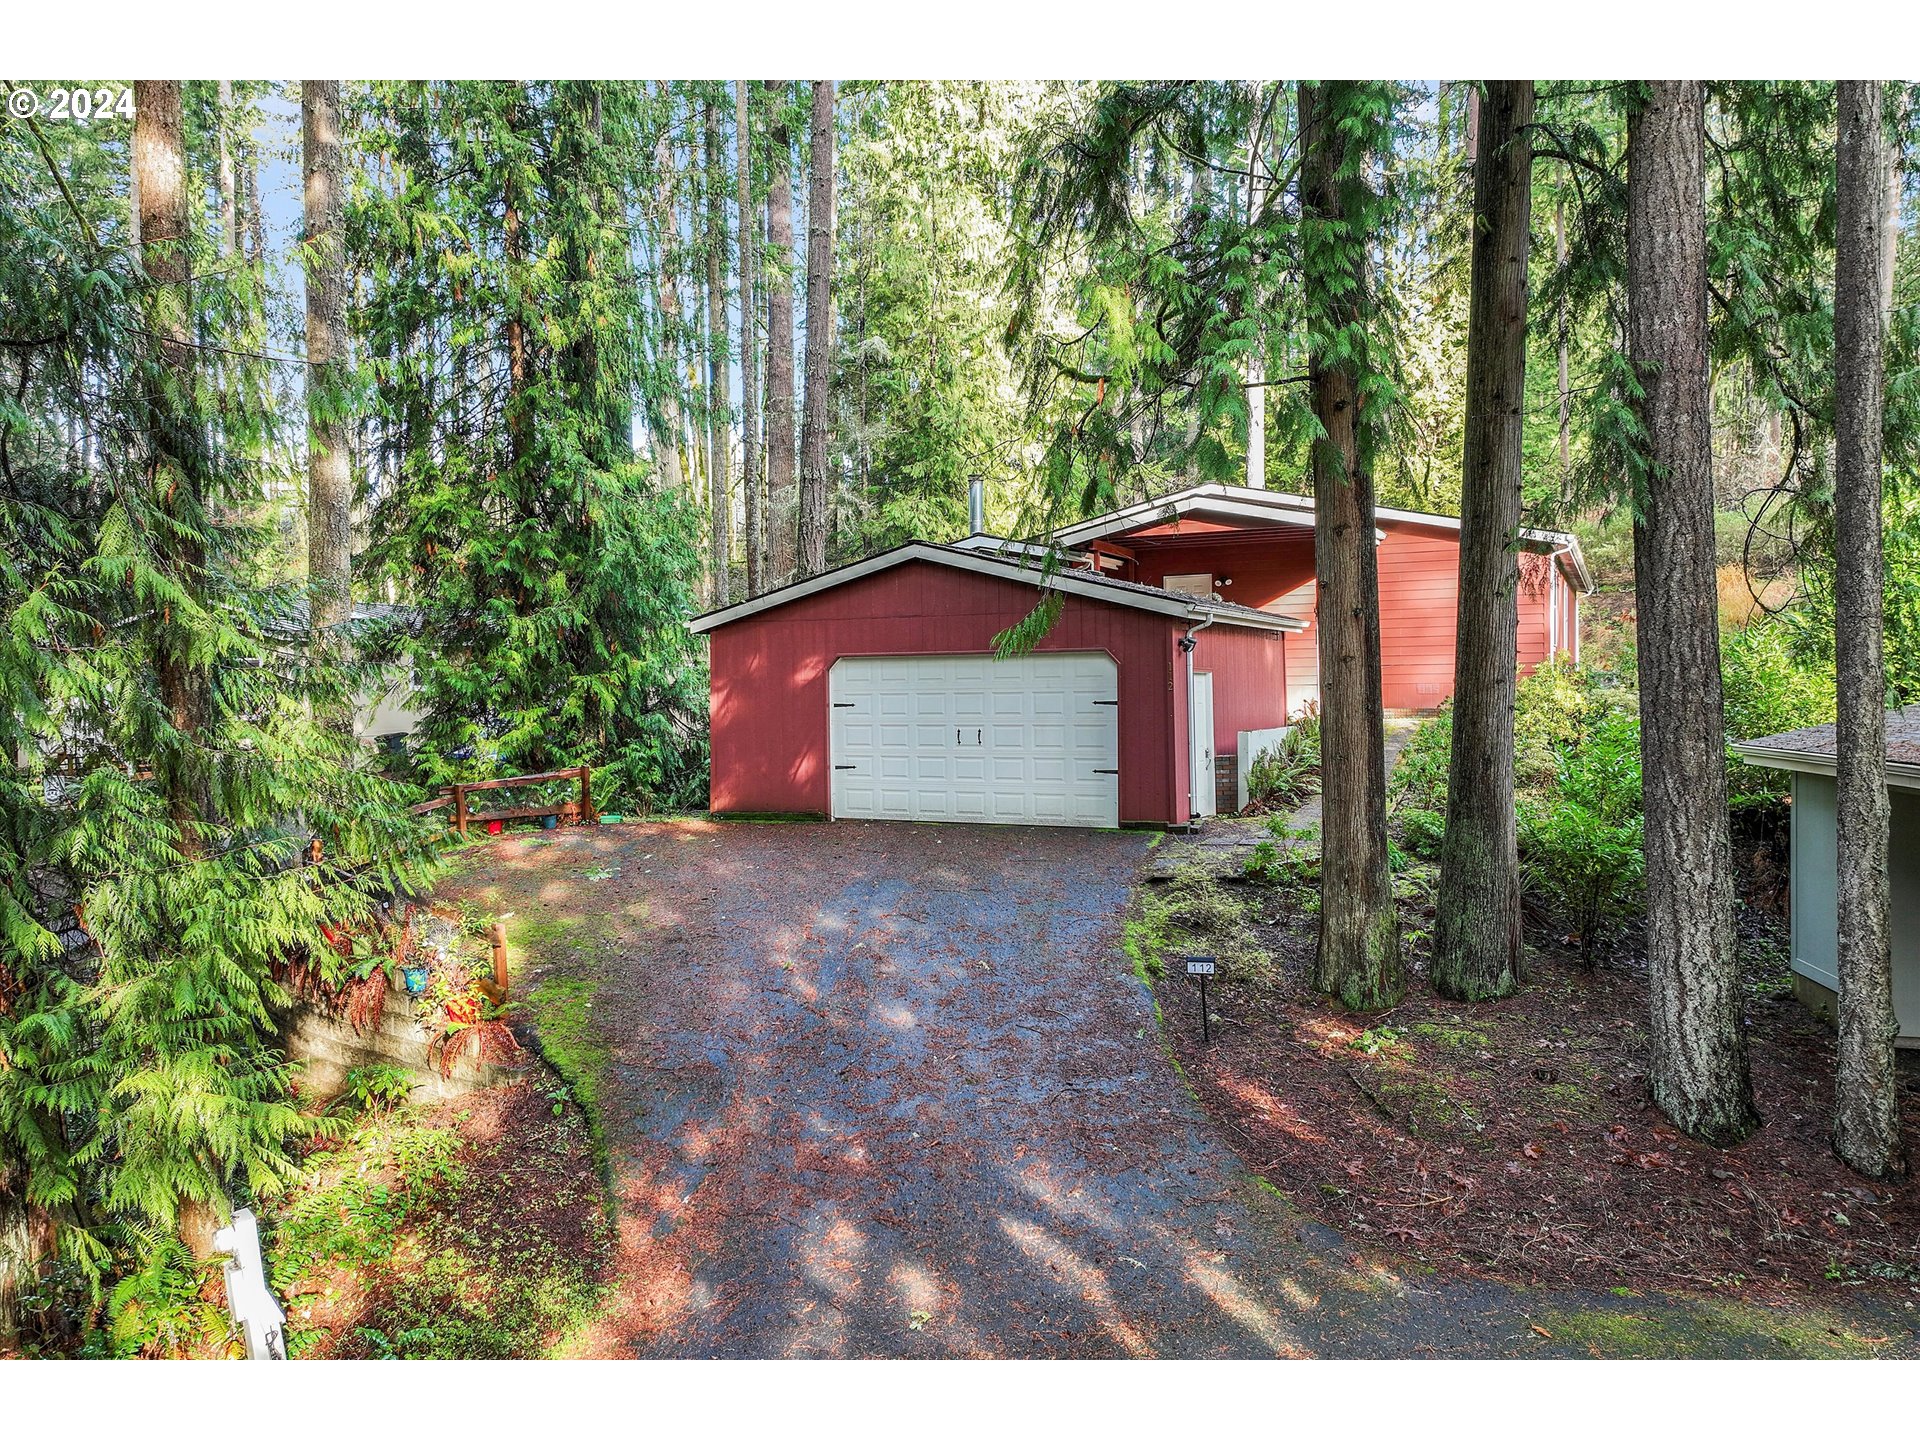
column 1417, row 792
column 1768, row 689
column 1285, row 774
column 1580, row 840
column 374, row 1088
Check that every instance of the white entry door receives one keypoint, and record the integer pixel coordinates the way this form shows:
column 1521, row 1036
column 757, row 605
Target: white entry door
column 1028, row 741
column 1200, row 740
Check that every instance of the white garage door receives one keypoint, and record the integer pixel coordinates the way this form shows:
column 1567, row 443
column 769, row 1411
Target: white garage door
column 1031, row 741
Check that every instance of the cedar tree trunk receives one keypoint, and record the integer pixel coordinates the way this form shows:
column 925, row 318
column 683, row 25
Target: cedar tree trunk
column 1359, row 945
column 174, row 441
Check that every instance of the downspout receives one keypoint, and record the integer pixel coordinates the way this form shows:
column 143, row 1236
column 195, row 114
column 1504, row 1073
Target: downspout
column 1187, row 643
column 1553, row 608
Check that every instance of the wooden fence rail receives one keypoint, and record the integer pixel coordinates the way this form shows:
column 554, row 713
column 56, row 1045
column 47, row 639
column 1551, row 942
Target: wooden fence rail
column 580, row 811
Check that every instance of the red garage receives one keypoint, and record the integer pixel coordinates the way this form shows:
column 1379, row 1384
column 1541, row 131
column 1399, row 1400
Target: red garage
column 872, row 692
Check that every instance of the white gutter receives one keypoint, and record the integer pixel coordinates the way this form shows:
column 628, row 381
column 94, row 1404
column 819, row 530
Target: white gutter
column 1188, row 642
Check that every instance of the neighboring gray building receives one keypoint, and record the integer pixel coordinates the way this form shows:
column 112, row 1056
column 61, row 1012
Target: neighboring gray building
column 1808, row 755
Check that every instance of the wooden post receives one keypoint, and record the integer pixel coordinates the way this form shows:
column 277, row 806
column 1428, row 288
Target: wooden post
column 499, row 933
column 460, row 810
column 587, row 817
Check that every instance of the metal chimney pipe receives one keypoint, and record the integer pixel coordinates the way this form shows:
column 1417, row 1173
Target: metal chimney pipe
column 977, row 505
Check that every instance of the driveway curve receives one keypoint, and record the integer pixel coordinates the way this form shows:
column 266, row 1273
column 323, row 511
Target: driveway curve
column 888, row 1089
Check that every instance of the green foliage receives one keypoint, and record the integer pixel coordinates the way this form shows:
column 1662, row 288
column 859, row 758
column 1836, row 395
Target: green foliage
column 1383, row 1039
column 352, row 1213
column 1283, row 859
column 1768, row 688
column 159, row 1308
column 1192, row 914
column 1284, row 775
column 373, row 1088
column 158, row 702
column 549, row 575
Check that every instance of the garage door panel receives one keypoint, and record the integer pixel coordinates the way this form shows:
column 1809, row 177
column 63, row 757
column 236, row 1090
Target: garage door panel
column 1041, row 748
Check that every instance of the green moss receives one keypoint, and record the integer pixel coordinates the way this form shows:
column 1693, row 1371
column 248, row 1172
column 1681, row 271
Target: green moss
column 1453, row 1037
column 1428, row 1109
column 1714, row 1328
column 561, row 1008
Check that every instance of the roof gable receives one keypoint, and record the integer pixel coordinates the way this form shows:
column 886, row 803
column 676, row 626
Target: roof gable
column 1191, row 608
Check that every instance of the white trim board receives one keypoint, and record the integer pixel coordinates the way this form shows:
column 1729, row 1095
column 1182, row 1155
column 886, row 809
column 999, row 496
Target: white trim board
column 1064, row 582
column 1900, row 776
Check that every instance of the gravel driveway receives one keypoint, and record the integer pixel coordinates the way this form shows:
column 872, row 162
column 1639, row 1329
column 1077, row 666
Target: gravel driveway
column 889, row 1089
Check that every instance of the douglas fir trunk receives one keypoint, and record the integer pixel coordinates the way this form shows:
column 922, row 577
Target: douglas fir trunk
column 1476, row 936
column 719, row 380
column 1359, row 948
column 1866, row 1111
column 329, row 476
column 814, row 497
column 782, row 504
column 1699, row 1058
column 749, row 370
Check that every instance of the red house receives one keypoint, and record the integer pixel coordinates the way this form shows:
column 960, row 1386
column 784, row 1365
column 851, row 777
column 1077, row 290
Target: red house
column 1256, row 548
column 871, row 691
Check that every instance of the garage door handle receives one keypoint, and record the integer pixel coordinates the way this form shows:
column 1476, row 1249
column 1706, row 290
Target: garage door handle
column 843, row 704
column 1106, row 772
column 1106, row 702
column 846, row 767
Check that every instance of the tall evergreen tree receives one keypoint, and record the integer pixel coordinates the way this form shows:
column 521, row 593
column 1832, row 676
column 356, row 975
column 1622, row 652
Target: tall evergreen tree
column 815, row 482
column 719, row 379
column 749, row 245
column 329, row 433
column 549, row 581
column 1700, row 1076
column 168, row 777
column 1476, row 935
column 1358, row 957
column 666, row 410
column 1866, row 1112
column 783, row 503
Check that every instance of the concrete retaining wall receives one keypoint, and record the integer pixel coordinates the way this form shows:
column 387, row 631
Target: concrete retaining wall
column 330, row 1047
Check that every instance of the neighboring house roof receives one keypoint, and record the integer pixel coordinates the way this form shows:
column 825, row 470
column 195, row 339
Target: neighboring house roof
column 1811, row 750
column 1241, row 502
column 979, row 562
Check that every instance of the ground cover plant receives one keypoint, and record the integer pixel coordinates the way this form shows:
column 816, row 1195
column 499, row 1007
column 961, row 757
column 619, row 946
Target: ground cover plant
column 471, row 1229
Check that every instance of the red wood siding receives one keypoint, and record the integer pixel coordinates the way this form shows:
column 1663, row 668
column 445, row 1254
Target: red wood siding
column 769, row 681
column 1272, row 569
column 1249, row 670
